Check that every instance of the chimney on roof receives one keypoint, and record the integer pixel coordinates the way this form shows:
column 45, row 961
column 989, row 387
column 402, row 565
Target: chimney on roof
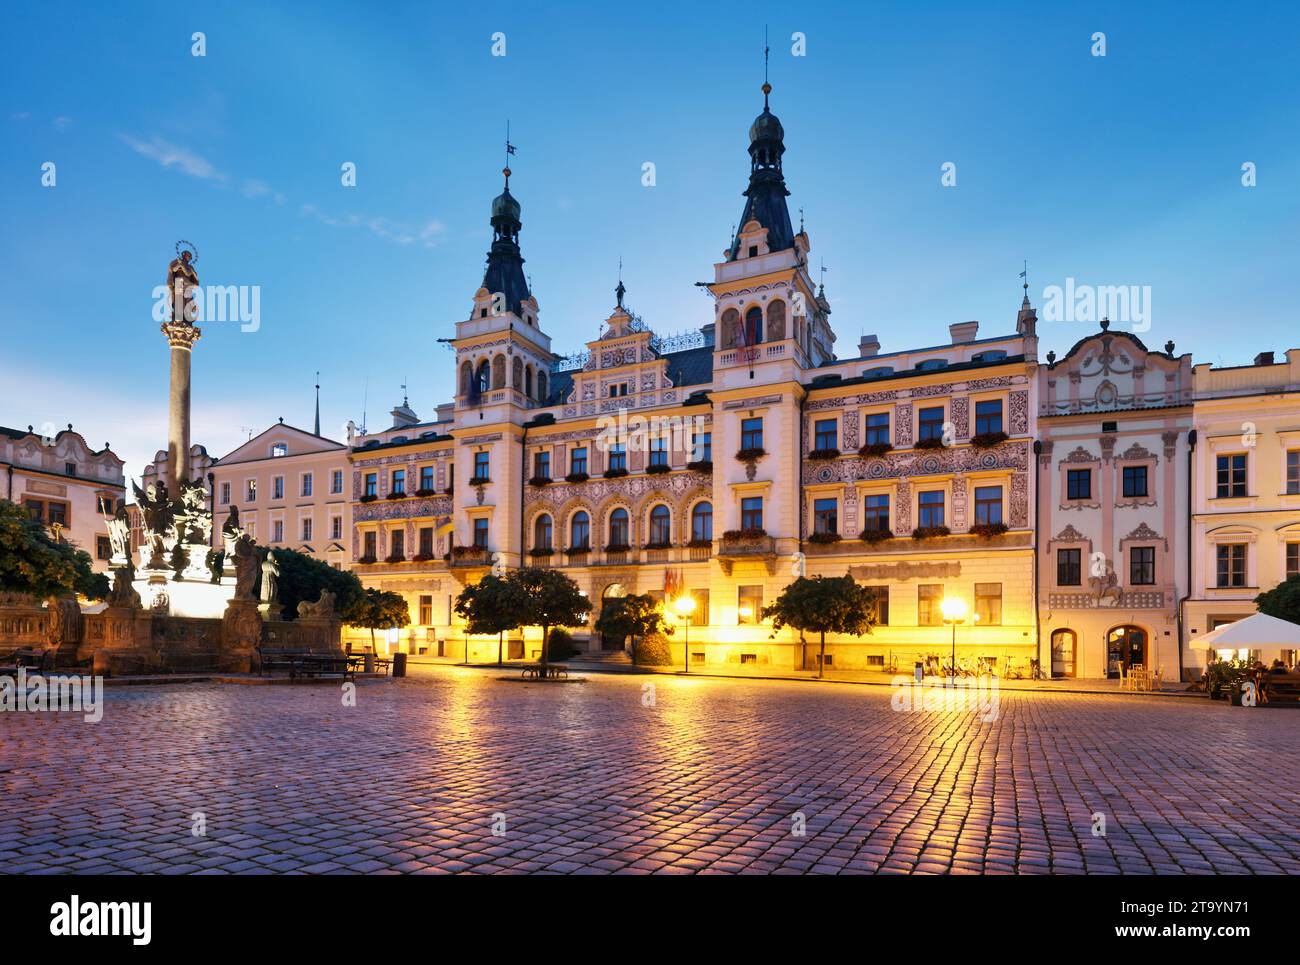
column 963, row 331
column 1264, row 358
column 868, row 346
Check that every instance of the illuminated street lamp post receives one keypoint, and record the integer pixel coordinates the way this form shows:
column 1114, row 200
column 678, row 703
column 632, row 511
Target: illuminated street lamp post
column 953, row 609
column 685, row 606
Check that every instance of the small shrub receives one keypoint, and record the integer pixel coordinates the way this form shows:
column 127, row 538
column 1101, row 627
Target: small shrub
column 658, row 469
column 875, row 535
column 749, row 455
column 935, row 442
column 925, row 532
column 824, row 538
column 875, row 450
column 615, row 473
column 988, row 530
column 560, row 645
column 987, row 440
column 540, row 481
column 654, row 651
column 576, row 477
column 701, row 465
column 824, row 454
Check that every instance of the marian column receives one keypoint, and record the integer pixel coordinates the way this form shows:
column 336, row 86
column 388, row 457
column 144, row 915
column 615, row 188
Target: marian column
column 182, row 333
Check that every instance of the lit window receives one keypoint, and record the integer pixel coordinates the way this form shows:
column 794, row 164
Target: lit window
column 825, row 513
column 930, row 508
column 751, row 512
column 988, row 505
column 988, row 604
column 1231, row 476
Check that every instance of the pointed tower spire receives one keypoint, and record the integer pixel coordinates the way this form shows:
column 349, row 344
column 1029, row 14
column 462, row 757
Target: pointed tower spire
column 505, row 265
column 1027, row 317
column 766, row 194
column 317, row 430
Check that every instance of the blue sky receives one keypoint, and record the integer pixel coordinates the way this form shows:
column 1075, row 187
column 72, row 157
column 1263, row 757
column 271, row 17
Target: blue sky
column 1122, row 170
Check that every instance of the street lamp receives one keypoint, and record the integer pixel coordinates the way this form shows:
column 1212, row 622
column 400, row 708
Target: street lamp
column 685, row 606
column 953, row 609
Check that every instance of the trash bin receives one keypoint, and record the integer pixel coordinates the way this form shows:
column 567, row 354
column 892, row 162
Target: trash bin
column 399, row 664
column 918, row 671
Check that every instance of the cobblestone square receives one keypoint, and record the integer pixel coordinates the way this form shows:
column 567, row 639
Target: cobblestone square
column 458, row 771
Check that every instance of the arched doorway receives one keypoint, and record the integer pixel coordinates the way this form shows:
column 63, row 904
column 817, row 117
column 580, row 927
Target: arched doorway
column 1126, row 647
column 1063, row 653
column 611, row 601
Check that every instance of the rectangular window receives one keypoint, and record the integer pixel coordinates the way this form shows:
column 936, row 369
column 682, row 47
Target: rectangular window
column 1231, row 564
column 930, row 424
column 701, row 447
column 988, row 416
column 1292, row 560
column 617, row 456
column 1293, row 472
column 1078, row 484
column 1141, row 565
column 928, row 612
column 306, row 484
column 306, row 529
column 397, row 544
column 988, row 505
column 881, row 595
column 225, row 494
column 1135, row 482
column 426, row 541
column 277, row 487
column 825, row 434
column 1231, row 476
column 481, row 533
column 988, row 604
column 426, row 611
column 1069, row 567
column 875, row 512
column 542, row 465
column 659, row 452
column 749, row 604
column 399, row 481
column 481, row 465
column 751, row 433
column 930, row 508
column 103, row 547
column 825, row 512
column 369, row 545
column 250, row 491
column 578, row 461
column 876, row 429
column 372, row 484
column 751, row 512
column 336, row 481
column 336, row 527
column 426, row 479
column 277, row 531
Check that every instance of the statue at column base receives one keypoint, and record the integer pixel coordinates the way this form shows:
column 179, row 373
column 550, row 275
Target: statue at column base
column 241, row 632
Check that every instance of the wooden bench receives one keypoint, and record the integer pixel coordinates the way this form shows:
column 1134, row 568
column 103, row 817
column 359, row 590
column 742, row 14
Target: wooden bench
column 270, row 659
column 1281, row 688
column 325, row 664
column 358, row 660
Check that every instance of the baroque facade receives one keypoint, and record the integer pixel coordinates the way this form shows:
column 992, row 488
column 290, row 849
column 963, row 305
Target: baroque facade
column 719, row 465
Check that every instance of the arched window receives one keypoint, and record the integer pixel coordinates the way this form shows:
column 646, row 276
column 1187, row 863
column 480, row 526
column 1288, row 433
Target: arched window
column 580, row 531
column 1126, row 648
column 730, row 328
column 618, row 528
column 541, row 386
column 754, row 326
column 931, row 365
column 499, row 372
column 660, row 526
column 484, row 376
column 466, row 378
column 542, row 533
column 879, row 372
column 528, row 381
column 1063, row 644
column 776, row 321
column 517, row 374
column 702, row 521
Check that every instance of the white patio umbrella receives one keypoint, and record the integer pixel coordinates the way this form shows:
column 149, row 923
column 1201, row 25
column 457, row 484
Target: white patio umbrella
column 1259, row 631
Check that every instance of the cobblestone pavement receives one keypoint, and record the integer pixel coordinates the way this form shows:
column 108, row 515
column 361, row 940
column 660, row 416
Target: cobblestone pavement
column 585, row 778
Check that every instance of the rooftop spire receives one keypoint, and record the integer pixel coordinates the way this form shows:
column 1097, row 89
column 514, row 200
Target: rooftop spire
column 505, row 265
column 317, row 402
column 766, row 194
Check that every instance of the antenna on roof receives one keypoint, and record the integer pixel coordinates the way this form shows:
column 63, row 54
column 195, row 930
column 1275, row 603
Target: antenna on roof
column 365, row 401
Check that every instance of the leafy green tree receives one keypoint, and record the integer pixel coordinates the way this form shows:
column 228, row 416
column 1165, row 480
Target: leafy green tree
column 302, row 577
column 638, row 616
column 1283, row 601
column 494, row 604
column 379, row 610
column 33, row 564
column 550, row 599
column 822, row 605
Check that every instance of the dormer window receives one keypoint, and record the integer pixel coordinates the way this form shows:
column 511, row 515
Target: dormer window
column 931, row 365
column 878, row 373
column 278, row 450
column 753, row 251
column 992, row 355
column 482, row 313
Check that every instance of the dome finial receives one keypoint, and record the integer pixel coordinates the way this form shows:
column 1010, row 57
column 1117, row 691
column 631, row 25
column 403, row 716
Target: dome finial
column 510, row 149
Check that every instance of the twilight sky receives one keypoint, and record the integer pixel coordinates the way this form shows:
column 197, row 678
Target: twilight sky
column 1117, row 170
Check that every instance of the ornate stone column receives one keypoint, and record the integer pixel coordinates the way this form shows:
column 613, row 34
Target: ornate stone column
column 181, row 336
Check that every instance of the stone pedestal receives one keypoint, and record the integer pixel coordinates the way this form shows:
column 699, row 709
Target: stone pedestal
column 241, row 632
column 271, row 611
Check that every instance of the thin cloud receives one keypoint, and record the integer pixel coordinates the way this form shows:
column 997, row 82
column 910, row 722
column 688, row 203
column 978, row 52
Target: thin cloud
column 173, row 156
